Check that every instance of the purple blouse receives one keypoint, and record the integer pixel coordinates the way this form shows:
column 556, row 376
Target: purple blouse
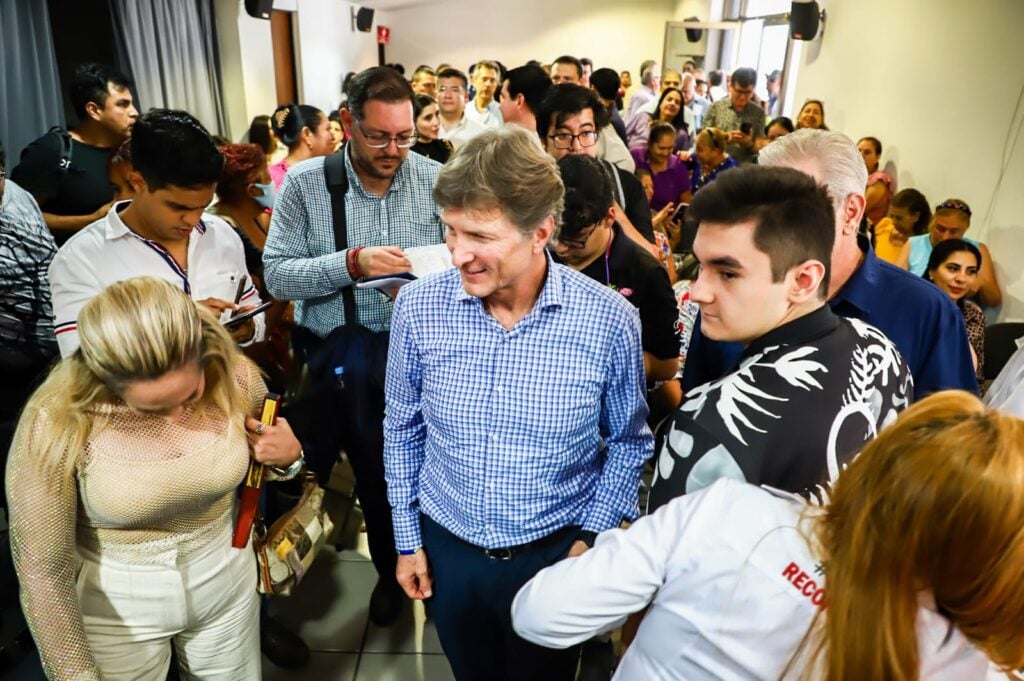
column 668, row 184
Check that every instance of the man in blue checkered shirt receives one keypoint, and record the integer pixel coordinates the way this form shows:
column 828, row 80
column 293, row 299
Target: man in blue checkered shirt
column 504, row 377
column 388, row 207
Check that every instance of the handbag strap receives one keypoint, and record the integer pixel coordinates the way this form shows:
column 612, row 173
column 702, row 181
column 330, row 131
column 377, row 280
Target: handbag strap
column 337, row 186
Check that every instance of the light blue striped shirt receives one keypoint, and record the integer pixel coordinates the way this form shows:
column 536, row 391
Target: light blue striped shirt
column 300, row 261
column 495, row 433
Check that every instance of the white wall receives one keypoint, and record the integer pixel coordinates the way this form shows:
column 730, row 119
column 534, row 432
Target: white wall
column 612, row 33
column 247, row 65
column 937, row 81
column 328, row 48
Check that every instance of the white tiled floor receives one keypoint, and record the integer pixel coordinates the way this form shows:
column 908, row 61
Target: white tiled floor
column 329, row 611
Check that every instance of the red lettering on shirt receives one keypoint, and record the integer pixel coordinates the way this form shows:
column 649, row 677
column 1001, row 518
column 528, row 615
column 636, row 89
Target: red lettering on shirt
column 804, row 584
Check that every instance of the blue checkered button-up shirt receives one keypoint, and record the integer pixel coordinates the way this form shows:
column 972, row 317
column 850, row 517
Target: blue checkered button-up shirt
column 300, row 261
column 495, row 433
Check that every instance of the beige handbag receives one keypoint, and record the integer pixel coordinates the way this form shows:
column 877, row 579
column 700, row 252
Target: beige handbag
column 287, row 550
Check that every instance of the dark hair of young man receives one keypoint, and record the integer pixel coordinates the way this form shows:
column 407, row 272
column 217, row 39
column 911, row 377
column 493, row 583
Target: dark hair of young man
column 568, row 59
column 588, row 193
column 531, row 82
column 172, row 148
column 380, row 83
column 91, row 83
column 565, row 101
column 606, row 82
column 792, row 215
column 716, row 77
column 744, row 77
column 453, row 73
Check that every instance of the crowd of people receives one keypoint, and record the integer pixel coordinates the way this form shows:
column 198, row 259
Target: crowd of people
column 661, row 274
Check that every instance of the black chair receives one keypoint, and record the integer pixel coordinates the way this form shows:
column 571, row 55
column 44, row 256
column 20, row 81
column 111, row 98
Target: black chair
column 1000, row 344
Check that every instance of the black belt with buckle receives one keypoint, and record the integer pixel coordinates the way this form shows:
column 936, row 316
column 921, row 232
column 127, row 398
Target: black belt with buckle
column 510, row 552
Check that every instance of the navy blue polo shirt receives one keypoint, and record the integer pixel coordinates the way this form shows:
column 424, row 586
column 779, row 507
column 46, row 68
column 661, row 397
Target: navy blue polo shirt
column 922, row 321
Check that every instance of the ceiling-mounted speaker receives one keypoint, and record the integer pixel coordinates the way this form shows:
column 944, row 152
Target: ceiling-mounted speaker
column 804, row 19
column 259, row 9
column 693, row 34
column 362, row 19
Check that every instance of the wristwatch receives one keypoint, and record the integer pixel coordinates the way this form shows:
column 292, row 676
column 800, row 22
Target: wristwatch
column 293, row 470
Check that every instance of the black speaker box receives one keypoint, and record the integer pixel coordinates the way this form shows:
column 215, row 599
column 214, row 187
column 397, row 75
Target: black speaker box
column 364, row 19
column 803, row 20
column 259, row 9
column 693, row 34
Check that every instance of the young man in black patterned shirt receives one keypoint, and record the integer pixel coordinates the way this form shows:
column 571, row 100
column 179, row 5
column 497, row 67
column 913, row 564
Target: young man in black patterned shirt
column 811, row 387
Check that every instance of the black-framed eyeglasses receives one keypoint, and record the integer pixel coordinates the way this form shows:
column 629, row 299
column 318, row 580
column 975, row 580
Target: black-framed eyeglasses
column 379, row 140
column 582, row 237
column 564, row 140
column 3, row 172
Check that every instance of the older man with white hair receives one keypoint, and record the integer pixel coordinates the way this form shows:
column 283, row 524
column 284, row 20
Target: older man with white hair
column 925, row 325
column 650, row 81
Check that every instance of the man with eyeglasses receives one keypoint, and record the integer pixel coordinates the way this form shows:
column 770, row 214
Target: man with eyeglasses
column 388, row 207
column 569, row 122
column 590, row 242
column 739, row 116
column 456, row 126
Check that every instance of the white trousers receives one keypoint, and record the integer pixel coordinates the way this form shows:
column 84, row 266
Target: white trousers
column 205, row 605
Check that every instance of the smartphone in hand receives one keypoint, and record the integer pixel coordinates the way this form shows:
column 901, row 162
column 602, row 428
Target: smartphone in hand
column 746, row 128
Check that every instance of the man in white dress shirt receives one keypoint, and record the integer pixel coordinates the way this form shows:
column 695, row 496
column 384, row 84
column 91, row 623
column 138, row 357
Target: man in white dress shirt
column 483, row 109
column 162, row 232
column 456, row 126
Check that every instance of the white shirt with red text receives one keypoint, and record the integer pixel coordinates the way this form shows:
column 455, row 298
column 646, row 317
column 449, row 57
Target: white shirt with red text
column 732, row 586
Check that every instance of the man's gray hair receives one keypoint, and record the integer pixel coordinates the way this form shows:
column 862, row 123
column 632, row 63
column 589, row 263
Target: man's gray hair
column 842, row 169
column 648, row 75
column 503, row 170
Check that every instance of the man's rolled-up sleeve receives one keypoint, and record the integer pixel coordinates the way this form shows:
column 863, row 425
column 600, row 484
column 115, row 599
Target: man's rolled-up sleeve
column 624, row 428
column 404, row 429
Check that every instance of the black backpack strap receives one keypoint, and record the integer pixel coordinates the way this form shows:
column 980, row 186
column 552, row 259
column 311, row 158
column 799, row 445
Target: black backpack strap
column 337, row 186
column 64, row 165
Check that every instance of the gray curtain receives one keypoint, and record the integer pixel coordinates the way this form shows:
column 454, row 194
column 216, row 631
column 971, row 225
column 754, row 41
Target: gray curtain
column 30, row 99
column 172, row 47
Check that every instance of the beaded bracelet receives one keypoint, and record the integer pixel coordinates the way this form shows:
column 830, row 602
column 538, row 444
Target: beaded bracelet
column 354, row 271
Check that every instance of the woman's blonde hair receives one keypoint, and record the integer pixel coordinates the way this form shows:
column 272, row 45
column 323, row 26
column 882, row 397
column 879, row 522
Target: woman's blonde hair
column 934, row 503
column 134, row 330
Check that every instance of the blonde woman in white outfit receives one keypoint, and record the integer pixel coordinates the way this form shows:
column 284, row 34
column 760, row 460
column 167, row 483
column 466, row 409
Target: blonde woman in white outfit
column 121, row 483
column 913, row 570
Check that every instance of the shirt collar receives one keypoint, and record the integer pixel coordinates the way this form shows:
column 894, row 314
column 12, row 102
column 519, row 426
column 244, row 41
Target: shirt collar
column 862, row 286
column 797, row 332
column 115, row 228
column 397, row 181
column 551, row 295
